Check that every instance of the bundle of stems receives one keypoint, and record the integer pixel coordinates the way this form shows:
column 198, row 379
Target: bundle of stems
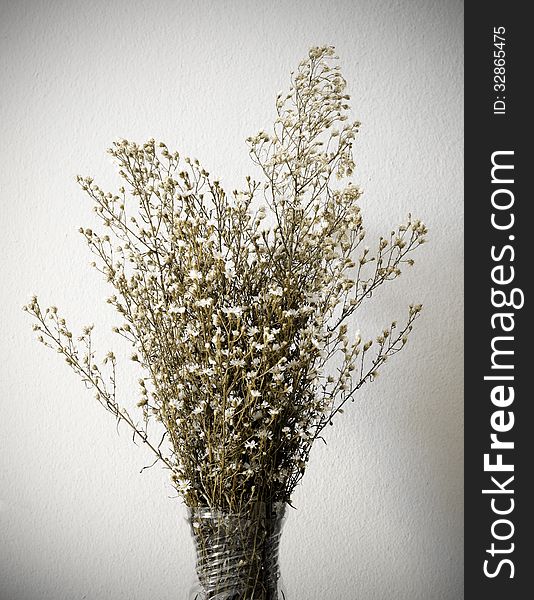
column 238, row 306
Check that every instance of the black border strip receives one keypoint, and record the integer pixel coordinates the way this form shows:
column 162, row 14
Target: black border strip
column 486, row 133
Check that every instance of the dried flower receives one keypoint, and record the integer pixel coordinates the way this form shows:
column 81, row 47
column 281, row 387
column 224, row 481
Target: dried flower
column 241, row 328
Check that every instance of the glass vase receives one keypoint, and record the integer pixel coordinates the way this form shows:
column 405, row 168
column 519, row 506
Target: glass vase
column 237, row 554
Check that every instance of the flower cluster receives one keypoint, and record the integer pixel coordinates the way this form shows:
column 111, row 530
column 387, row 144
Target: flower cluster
column 238, row 306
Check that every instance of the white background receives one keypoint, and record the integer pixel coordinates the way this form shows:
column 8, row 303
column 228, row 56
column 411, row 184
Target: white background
column 380, row 513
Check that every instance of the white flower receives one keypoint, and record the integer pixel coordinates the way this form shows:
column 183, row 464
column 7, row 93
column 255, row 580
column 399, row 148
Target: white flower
column 204, row 302
column 184, row 485
column 251, row 444
column 268, row 336
column 264, row 434
column 195, row 275
column 237, row 362
column 191, row 332
column 237, row 311
column 275, row 291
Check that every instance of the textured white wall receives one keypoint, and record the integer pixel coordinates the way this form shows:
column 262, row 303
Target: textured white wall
column 380, row 511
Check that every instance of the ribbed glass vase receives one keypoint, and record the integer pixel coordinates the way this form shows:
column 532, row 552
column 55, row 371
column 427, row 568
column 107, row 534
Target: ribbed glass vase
column 237, row 554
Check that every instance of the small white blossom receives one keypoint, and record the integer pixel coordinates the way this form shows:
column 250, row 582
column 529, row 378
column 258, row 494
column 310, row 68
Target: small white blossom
column 236, row 311
column 195, row 275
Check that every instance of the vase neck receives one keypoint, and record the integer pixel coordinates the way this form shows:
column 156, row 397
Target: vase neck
column 237, row 554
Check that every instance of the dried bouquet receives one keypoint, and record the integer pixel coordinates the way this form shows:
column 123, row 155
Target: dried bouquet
column 238, row 308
